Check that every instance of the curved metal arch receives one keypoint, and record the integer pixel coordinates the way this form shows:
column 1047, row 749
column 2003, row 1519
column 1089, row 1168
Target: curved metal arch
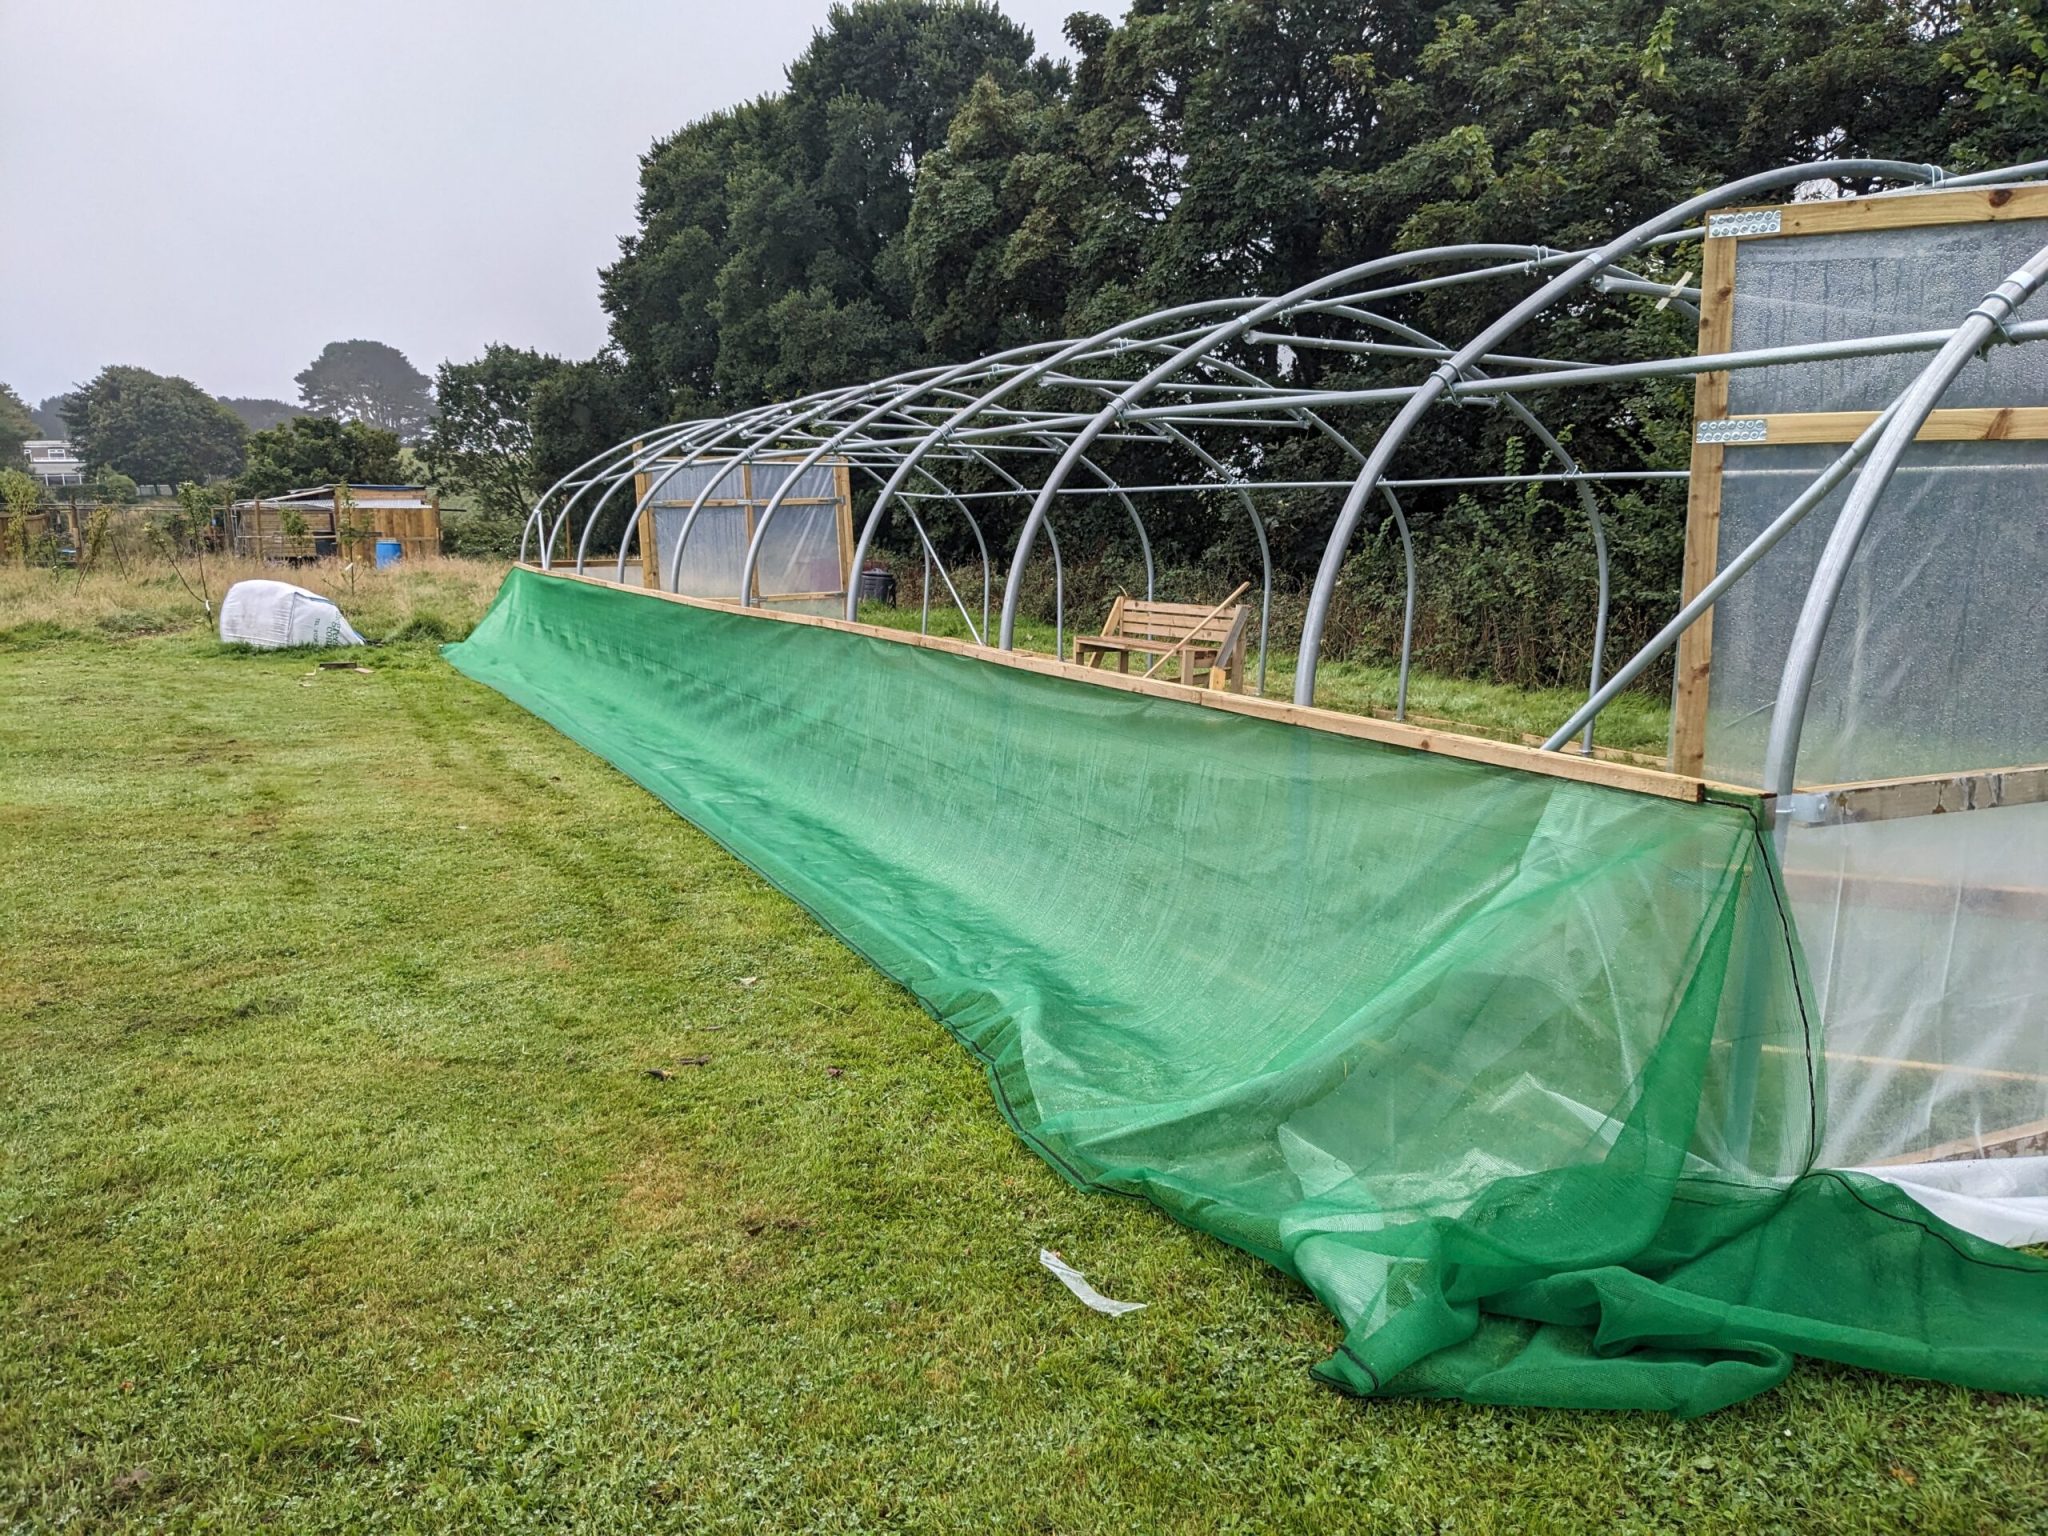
column 1506, row 325
column 534, row 515
column 1112, row 340
column 1588, row 502
column 1109, row 483
column 1802, row 656
column 665, row 440
column 628, row 459
column 624, row 460
column 779, row 420
column 620, row 459
column 912, row 386
column 1307, row 296
column 1207, row 342
column 1066, row 352
column 674, row 576
column 982, row 367
column 898, row 457
column 650, row 454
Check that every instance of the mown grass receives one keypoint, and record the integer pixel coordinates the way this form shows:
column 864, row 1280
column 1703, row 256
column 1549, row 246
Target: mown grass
column 411, row 1125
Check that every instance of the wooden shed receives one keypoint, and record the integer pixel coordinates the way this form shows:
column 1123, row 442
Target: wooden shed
column 344, row 521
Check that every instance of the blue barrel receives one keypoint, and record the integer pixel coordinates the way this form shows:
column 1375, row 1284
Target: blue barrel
column 389, row 552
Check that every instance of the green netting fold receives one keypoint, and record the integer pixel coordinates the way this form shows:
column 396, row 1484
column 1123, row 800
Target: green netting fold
column 1512, row 1072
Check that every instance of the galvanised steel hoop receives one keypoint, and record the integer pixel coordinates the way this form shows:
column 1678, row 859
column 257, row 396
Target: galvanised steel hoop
column 893, row 430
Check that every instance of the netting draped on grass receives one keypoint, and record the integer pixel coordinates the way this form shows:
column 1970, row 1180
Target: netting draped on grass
column 1513, row 1072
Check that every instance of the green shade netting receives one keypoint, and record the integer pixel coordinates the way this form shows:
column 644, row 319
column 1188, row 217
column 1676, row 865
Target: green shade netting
column 1513, row 1072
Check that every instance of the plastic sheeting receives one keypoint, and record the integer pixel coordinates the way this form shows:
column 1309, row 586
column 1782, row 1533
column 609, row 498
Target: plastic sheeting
column 803, row 552
column 271, row 615
column 1841, row 287
column 1514, row 1072
column 1937, row 659
column 1926, row 938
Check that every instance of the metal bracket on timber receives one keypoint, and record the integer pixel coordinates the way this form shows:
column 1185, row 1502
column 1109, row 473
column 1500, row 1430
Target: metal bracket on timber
column 1834, row 805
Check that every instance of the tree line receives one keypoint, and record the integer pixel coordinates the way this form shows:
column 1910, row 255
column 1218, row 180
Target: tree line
column 927, row 188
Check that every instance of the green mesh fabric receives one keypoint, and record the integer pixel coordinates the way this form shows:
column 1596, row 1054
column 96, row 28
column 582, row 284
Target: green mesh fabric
column 1512, row 1072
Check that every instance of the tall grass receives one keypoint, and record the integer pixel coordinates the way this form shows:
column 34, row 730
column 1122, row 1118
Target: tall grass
column 150, row 594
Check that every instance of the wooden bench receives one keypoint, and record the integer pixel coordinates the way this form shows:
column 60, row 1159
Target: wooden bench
column 1208, row 642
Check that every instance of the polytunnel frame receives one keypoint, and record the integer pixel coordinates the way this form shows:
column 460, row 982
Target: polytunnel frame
column 1458, row 375
column 780, row 422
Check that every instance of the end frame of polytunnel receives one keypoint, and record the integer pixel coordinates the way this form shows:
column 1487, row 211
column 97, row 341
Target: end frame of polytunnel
column 992, row 415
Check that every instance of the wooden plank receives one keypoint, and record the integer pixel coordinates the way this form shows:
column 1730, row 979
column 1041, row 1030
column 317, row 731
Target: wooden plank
column 1911, row 893
column 1964, row 424
column 1903, row 210
column 1499, row 754
column 842, row 491
column 1117, row 605
column 2027, row 1140
column 1933, row 794
column 1703, row 512
column 650, row 555
column 1527, row 738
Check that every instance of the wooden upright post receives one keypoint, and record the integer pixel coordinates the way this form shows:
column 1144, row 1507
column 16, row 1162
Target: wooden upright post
column 1703, row 511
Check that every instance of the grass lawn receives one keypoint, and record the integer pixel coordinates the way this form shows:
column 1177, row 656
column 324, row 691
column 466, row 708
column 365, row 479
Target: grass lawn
column 409, row 1124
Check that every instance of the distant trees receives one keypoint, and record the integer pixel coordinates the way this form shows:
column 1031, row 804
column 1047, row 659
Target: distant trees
column 318, row 450
column 50, row 419
column 152, row 427
column 17, row 426
column 481, row 444
column 258, row 413
column 578, row 411
column 513, row 422
column 371, row 382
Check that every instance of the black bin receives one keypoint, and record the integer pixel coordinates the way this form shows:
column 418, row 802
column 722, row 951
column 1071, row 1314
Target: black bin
column 878, row 585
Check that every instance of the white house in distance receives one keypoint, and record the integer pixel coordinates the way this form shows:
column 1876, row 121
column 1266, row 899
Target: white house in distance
column 51, row 461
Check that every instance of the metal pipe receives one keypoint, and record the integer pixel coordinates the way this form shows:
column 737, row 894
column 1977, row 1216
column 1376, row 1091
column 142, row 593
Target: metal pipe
column 1095, row 426
column 1802, row 656
column 1814, row 494
column 1407, row 606
column 1498, row 331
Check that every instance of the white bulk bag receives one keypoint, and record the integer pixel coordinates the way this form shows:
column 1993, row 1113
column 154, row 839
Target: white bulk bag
column 273, row 614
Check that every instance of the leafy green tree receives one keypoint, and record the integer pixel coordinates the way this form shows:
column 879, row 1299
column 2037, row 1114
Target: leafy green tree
column 770, row 257
column 153, row 428
column 482, row 442
column 1998, row 54
column 17, row 426
column 923, row 190
column 368, row 381
column 318, row 450
column 259, row 414
column 20, row 494
column 580, row 410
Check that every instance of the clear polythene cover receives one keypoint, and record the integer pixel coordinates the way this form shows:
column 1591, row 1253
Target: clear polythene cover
column 1514, row 1072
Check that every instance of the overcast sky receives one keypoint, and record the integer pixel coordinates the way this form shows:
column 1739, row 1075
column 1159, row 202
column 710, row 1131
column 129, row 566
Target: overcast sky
column 218, row 188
